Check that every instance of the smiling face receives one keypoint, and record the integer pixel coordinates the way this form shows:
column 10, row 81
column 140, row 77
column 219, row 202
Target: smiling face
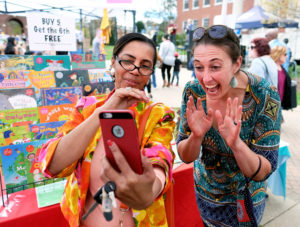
column 140, row 54
column 214, row 70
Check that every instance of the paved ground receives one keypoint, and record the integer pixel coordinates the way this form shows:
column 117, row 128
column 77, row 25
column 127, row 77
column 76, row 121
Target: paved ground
column 279, row 212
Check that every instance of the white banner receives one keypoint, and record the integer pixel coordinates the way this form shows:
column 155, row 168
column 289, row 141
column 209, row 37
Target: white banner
column 51, row 32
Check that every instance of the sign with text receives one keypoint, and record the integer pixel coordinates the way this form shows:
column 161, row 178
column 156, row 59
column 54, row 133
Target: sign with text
column 51, row 32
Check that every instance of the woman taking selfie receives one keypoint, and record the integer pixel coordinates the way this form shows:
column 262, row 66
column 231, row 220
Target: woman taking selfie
column 229, row 128
column 77, row 152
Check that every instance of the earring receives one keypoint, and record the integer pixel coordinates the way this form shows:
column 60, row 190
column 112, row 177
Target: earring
column 112, row 74
column 233, row 82
column 112, row 71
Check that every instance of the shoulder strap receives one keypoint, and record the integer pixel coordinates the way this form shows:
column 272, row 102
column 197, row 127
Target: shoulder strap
column 144, row 120
column 265, row 66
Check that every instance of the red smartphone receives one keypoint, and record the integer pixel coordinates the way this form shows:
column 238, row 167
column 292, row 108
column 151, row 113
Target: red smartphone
column 119, row 126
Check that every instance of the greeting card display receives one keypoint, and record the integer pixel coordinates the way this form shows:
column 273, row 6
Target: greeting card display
column 52, row 63
column 71, row 78
column 16, row 62
column 18, row 98
column 87, row 61
column 45, row 130
column 60, row 95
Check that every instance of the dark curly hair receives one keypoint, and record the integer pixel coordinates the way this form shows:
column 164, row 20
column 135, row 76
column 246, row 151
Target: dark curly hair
column 261, row 46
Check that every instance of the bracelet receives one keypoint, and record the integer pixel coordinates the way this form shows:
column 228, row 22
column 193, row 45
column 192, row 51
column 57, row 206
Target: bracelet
column 258, row 169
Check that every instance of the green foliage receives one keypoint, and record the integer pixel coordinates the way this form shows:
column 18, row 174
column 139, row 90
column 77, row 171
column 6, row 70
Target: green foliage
column 140, row 26
column 109, row 51
column 180, row 39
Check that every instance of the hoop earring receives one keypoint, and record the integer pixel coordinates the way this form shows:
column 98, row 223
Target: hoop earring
column 233, row 82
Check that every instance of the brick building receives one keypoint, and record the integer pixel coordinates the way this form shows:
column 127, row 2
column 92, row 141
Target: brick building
column 6, row 22
column 205, row 12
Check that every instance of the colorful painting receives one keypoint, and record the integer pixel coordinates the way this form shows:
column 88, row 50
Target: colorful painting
column 14, row 135
column 19, row 117
column 16, row 62
column 20, row 164
column 55, row 113
column 11, row 79
column 60, row 95
column 87, row 61
column 45, row 130
column 52, row 63
column 99, row 75
column 98, row 88
column 71, row 78
column 18, row 98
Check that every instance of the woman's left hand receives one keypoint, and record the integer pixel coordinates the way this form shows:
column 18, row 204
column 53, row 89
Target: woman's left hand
column 134, row 190
column 230, row 125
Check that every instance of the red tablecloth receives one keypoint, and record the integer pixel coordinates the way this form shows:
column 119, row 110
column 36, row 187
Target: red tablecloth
column 185, row 206
column 23, row 211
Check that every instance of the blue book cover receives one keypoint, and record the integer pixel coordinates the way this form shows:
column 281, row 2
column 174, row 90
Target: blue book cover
column 60, row 95
column 52, row 63
column 45, row 130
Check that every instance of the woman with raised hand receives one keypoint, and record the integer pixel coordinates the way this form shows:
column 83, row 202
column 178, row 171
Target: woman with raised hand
column 229, row 128
column 77, row 152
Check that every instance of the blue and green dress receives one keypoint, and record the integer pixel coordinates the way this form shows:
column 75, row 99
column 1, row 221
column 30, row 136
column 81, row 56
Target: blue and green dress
column 217, row 177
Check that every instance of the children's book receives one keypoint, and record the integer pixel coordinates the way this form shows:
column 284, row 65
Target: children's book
column 97, row 88
column 99, row 75
column 60, row 95
column 52, row 63
column 45, row 130
column 55, row 113
column 11, row 79
column 87, row 61
column 71, row 78
column 16, row 62
column 19, row 117
column 18, row 98
column 14, row 135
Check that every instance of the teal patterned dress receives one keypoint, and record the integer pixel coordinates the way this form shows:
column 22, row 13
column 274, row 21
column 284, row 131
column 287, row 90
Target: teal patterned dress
column 217, row 176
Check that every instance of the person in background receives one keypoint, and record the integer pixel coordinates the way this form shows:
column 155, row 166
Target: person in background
column 279, row 55
column 172, row 29
column 288, row 52
column 97, row 42
column 176, row 69
column 228, row 129
column 262, row 64
column 166, row 52
column 272, row 37
column 11, row 46
column 77, row 151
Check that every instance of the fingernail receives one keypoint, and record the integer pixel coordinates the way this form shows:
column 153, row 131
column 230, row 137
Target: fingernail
column 110, row 143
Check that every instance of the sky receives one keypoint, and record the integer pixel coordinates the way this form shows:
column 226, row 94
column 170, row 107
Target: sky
column 88, row 6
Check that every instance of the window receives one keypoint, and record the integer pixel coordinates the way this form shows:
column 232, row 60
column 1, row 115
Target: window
column 195, row 24
column 185, row 4
column 195, row 4
column 205, row 22
column 218, row 2
column 184, row 24
column 206, row 2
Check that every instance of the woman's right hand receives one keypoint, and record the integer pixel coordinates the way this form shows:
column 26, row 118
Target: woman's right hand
column 198, row 121
column 123, row 98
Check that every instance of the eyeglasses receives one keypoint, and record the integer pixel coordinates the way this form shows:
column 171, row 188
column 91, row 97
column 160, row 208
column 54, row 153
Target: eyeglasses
column 214, row 32
column 129, row 66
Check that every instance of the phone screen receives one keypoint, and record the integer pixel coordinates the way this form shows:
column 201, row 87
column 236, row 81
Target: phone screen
column 119, row 126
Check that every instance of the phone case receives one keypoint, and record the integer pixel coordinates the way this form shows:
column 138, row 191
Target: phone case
column 119, row 126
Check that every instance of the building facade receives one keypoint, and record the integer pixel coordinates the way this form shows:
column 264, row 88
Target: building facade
column 206, row 12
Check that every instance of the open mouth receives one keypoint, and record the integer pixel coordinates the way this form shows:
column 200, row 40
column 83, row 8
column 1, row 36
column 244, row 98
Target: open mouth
column 212, row 89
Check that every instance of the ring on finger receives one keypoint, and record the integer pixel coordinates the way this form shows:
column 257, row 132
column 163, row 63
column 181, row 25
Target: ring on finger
column 128, row 88
column 234, row 123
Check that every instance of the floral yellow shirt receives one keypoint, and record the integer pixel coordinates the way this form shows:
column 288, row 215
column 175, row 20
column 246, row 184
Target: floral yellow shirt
column 157, row 147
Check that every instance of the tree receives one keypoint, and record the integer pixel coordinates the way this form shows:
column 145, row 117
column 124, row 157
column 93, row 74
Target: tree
column 169, row 9
column 282, row 8
column 140, row 26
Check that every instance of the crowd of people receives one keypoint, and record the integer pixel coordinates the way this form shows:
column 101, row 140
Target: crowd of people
column 226, row 128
